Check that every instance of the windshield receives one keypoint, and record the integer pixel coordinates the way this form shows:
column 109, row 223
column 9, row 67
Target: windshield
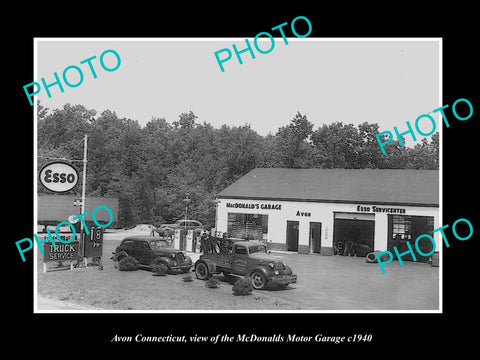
column 257, row 248
column 158, row 244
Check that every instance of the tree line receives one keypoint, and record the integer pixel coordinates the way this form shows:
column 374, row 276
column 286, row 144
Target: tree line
column 152, row 169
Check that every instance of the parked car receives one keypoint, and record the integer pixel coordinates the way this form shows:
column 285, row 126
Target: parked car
column 243, row 258
column 151, row 250
column 182, row 224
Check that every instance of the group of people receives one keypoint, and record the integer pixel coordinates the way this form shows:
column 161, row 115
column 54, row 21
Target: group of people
column 212, row 244
column 208, row 242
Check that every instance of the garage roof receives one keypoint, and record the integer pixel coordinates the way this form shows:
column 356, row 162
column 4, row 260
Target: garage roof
column 383, row 186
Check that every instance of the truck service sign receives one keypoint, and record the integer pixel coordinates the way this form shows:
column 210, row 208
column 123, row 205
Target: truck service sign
column 62, row 252
column 58, row 177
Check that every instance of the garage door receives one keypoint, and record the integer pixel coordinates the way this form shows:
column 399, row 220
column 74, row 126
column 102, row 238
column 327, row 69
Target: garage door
column 353, row 234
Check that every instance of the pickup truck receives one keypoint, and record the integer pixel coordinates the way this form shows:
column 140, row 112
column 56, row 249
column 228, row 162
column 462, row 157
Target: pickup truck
column 243, row 258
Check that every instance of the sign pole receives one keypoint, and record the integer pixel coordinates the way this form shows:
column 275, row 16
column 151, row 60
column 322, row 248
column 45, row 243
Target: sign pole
column 84, row 179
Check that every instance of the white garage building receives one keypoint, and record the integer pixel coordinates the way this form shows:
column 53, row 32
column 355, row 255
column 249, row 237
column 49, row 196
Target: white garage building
column 332, row 211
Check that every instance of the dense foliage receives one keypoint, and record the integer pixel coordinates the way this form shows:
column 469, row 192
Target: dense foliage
column 128, row 263
column 151, row 169
column 212, row 283
column 242, row 287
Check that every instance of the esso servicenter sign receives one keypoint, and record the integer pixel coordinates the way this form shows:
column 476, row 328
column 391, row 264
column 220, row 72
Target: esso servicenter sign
column 59, row 177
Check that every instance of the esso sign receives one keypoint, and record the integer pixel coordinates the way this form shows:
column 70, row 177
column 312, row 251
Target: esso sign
column 59, row 177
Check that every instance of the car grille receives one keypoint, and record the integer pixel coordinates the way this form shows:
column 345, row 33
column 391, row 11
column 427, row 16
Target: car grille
column 179, row 257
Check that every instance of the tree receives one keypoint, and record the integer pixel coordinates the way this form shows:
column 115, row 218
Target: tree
column 292, row 142
column 151, row 169
column 425, row 155
column 370, row 152
column 238, row 151
column 185, row 121
column 340, row 146
column 269, row 154
column 65, row 128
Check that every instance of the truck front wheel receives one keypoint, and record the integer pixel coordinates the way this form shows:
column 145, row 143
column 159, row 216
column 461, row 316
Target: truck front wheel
column 201, row 271
column 258, row 280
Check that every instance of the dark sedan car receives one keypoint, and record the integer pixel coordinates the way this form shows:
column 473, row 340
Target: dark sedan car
column 150, row 250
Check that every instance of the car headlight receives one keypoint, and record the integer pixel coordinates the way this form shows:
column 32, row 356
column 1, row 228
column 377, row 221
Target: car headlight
column 272, row 265
column 172, row 256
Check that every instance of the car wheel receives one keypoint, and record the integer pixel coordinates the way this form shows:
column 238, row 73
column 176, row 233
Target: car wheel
column 159, row 262
column 201, row 271
column 258, row 280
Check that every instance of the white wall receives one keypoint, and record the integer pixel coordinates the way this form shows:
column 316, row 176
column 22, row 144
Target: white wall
column 319, row 212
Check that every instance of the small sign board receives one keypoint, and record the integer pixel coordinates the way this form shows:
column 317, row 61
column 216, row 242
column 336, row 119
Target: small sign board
column 63, row 252
column 94, row 242
column 58, row 177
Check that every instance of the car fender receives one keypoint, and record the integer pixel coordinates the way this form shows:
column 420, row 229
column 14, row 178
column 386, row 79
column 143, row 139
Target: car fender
column 188, row 260
column 210, row 264
column 163, row 259
column 288, row 270
column 263, row 269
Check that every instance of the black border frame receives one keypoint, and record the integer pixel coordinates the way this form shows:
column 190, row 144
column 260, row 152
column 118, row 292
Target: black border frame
column 452, row 330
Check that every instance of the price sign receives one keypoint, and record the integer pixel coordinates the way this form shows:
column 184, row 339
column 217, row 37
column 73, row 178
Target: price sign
column 94, row 242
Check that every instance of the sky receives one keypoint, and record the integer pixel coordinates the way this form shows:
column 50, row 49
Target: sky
column 387, row 81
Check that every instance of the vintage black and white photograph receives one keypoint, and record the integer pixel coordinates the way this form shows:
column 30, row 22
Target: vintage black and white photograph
column 272, row 174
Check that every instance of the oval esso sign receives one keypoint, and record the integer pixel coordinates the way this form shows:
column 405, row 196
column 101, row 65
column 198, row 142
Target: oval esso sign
column 59, row 177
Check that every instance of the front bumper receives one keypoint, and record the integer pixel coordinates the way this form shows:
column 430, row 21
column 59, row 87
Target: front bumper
column 282, row 279
column 181, row 266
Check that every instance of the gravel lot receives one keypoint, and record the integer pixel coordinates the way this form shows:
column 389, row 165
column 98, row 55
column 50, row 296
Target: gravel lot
column 117, row 290
column 112, row 289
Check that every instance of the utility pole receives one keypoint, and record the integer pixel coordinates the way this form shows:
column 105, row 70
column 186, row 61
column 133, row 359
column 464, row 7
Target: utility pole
column 84, row 180
column 186, row 201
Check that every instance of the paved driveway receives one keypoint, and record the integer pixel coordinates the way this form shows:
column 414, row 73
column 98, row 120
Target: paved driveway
column 349, row 283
